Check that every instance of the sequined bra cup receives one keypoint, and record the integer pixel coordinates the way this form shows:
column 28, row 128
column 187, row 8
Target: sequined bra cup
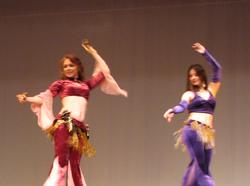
column 71, row 88
column 202, row 105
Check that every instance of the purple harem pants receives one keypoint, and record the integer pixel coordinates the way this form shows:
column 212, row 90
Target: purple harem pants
column 197, row 173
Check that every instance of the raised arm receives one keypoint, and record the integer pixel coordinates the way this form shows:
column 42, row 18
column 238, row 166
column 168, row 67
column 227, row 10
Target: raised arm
column 216, row 77
column 109, row 85
column 100, row 64
column 181, row 107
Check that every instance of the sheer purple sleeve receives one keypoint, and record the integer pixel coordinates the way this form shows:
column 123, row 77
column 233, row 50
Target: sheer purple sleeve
column 95, row 80
column 215, row 66
column 180, row 107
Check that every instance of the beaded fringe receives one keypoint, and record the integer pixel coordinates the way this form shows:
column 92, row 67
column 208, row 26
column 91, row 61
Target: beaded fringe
column 78, row 139
column 206, row 135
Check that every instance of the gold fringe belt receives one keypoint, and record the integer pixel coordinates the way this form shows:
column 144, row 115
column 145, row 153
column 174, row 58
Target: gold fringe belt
column 78, row 138
column 205, row 133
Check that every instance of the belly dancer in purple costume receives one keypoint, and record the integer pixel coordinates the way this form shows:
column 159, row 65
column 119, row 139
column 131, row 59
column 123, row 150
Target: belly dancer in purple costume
column 197, row 135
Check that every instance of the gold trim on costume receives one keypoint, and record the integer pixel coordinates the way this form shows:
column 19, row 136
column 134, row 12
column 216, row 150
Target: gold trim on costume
column 205, row 133
column 77, row 140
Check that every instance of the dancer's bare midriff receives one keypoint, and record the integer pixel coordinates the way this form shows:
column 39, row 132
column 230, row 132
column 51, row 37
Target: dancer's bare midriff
column 76, row 105
column 204, row 118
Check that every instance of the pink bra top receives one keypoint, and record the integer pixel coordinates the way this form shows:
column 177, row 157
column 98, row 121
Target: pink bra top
column 73, row 88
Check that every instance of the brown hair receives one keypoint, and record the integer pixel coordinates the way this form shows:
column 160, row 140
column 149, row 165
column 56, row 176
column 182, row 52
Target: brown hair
column 77, row 62
column 201, row 73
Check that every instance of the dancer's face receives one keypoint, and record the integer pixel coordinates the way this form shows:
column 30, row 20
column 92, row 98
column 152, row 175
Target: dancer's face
column 194, row 79
column 70, row 69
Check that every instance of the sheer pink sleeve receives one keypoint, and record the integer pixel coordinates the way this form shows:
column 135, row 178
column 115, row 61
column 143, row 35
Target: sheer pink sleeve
column 110, row 86
column 44, row 111
column 107, row 83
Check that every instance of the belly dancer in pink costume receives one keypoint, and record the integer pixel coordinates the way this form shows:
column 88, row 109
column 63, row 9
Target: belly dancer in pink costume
column 68, row 130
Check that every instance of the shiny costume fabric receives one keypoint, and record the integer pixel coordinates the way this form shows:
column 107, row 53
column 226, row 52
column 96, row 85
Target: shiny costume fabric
column 71, row 88
column 197, row 173
column 77, row 132
column 196, row 137
column 70, row 135
column 199, row 138
column 69, row 145
column 66, row 156
column 206, row 135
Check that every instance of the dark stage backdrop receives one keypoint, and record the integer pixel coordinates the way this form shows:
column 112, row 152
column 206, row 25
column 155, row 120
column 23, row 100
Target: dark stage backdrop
column 147, row 45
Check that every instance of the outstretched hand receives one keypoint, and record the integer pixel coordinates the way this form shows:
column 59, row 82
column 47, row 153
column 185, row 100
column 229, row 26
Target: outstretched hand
column 22, row 97
column 198, row 48
column 87, row 46
column 168, row 115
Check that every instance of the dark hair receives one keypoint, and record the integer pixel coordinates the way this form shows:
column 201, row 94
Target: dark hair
column 77, row 62
column 201, row 73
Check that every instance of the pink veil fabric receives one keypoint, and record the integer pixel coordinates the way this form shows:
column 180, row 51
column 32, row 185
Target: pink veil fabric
column 44, row 111
column 110, row 86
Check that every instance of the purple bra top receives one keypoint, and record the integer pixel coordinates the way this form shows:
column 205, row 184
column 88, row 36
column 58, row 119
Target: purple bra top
column 72, row 88
column 202, row 105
